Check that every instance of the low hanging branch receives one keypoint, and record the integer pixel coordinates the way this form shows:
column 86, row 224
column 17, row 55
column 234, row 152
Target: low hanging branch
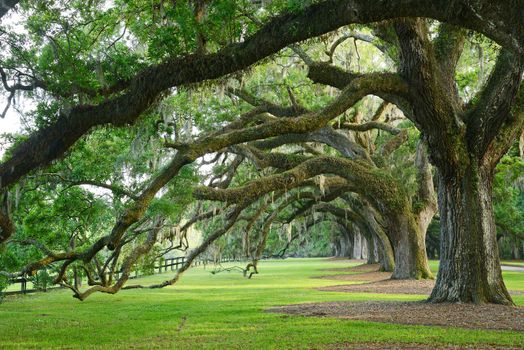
column 127, row 265
column 231, row 220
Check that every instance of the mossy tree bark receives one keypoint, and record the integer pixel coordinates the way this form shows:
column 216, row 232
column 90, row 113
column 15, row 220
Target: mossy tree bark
column 409, row 247
column 469, row 263
column 385, row 249
column 465, row 144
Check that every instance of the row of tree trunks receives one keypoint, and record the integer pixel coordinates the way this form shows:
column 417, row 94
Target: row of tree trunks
column 356, row 245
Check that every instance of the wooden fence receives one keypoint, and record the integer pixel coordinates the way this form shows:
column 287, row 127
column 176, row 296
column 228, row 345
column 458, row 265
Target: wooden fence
column 163, row 265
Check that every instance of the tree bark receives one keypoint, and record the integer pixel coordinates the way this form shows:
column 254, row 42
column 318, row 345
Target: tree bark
column 409, row 245
column 370, row 250
column 336, row 248
column 365, row 248
column 357, row 245
column 469, row 268
column 385, row 250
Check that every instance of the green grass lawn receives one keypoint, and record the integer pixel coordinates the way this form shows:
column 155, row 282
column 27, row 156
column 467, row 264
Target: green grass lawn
column 222, row 311
column 513, row 262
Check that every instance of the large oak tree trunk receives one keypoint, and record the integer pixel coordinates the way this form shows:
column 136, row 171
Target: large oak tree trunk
column 372, row 249
column 385, row 250
column 469, row 269
column 411, row 261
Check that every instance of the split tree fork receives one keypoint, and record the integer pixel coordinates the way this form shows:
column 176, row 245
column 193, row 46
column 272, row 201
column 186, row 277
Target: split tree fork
column 465, row 143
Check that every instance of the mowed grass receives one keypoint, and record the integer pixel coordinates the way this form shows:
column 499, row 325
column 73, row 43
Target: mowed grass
column 513, row 262
column 221, row 311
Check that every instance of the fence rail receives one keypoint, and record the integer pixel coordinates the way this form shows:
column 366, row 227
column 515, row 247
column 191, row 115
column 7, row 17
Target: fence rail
column 163, row 265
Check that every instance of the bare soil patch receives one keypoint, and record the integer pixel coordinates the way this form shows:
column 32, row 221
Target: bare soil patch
column 373, row 281
column 495, row 317
column 359, row 268
column 381, row 284
column 359, row 277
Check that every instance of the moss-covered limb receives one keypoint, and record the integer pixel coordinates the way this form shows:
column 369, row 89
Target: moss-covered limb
column 257, row 188
column 449, row 45
column 370, row 126
column 127, row 265
column 326, row 135
column 319, row 18
column 370, row 182
column 495, row 103
column 437, row 114
column 392, row 144
column 512, row 130
column 381, row 110
column 264, row 160
column 258, row 115
column 219, row 181
column 231, row 220
column 370, row 39
column 331, row 75
column 386, row 84
column 270, row 107
column 136, row 211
